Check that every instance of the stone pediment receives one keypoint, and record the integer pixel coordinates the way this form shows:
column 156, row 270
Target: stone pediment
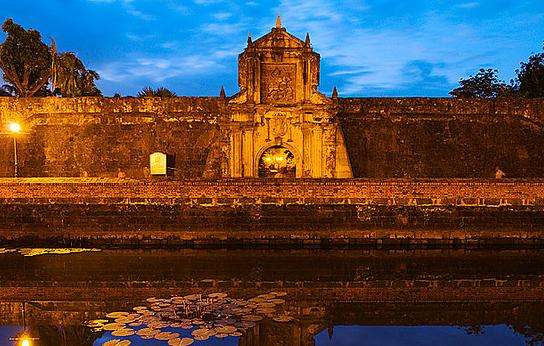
column 278, row 69
column 278, row 38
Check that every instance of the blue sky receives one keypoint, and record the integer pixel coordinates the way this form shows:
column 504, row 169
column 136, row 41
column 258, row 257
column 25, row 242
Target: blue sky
column 368, row 48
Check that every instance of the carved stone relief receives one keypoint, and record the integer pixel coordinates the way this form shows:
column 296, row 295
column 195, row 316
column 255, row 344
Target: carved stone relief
column 278, row 83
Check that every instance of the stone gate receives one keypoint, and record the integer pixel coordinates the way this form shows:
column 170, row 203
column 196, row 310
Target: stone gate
column 279, row 106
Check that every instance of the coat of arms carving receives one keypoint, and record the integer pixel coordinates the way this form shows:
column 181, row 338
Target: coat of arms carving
column 278, row 126
column 277, row 83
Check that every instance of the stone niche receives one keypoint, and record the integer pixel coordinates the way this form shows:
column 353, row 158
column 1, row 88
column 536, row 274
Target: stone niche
column 279, row 124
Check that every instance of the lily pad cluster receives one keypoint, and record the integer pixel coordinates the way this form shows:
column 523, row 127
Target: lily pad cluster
column 203, row 316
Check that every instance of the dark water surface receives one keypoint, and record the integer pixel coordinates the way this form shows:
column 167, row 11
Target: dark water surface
column 272, row 297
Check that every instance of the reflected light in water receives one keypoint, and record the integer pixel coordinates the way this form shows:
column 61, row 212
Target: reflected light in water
column 24, row 340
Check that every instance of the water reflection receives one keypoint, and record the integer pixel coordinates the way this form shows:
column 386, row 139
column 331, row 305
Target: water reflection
column 419, row 335
column 195, row 317
column 280, row 297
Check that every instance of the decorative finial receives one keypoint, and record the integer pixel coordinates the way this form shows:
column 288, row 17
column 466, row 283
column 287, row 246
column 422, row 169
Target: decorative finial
column 222, row 93
column 307, row 40
column 334, row 93
column 278, row 22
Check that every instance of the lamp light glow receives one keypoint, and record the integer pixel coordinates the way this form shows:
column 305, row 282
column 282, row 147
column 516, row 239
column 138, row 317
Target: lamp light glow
column 14, row 127
column 25, row 340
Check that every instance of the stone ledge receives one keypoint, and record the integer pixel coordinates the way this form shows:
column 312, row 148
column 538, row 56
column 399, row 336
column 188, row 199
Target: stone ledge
column 422, row 192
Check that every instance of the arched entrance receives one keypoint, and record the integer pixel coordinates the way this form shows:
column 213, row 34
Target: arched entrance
column 277, row 162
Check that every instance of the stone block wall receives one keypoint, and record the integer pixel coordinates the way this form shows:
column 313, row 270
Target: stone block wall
column 442, row 138
column 384, row 137
column 387, row 192
column 97, row 136
column 271, row 212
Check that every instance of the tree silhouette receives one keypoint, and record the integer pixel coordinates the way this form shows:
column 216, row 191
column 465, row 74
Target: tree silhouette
column 70, row 77
column 159, row 92
column 530, row 77
column 485, row 84
column 29, row 66
column 24, row 59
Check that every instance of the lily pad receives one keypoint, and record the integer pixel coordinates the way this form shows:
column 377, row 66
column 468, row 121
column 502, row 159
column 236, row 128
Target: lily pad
column 116, row 342
column 123, row 332
column 180, row 342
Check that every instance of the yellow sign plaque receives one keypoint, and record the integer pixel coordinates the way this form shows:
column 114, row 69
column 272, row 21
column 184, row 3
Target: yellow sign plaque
column 157, row 164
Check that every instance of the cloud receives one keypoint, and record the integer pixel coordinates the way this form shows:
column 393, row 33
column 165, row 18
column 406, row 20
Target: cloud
column 223, row 28
column 368, row 47
column 176, row 6
column 158, row 69
column 171, row 45
column 372, row 57
column 139, row 37
column 350, row 71
column 129, row 7
column 207, row 2
column 137, row 13
column 469, row 5
column 222, row 15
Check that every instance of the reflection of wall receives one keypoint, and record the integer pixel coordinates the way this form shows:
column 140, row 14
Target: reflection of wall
column 438, row 287
column 270, row 333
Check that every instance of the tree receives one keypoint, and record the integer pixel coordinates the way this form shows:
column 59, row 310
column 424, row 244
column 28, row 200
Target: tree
column 146, row 92
column 485, row 84
column 159, row 92
column 70, row 78
column 7, row 90
column 30, row 66
column 530, row 77
column 24, row 59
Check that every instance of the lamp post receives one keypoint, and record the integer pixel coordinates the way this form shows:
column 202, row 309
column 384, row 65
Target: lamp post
column 15, row 129
column 24, row 338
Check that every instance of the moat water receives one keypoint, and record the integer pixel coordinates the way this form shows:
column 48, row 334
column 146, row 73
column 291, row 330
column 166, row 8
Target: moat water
column 271, row 297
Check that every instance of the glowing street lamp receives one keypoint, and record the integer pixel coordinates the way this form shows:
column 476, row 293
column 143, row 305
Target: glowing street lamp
column 15, row 129
column 24, row 338
column 25, row 341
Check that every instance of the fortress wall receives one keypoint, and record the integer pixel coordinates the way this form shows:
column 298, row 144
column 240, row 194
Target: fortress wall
column 385, row 137
column 283, row 191
column 70, row 136
column 271, row 212
column 440, row 138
